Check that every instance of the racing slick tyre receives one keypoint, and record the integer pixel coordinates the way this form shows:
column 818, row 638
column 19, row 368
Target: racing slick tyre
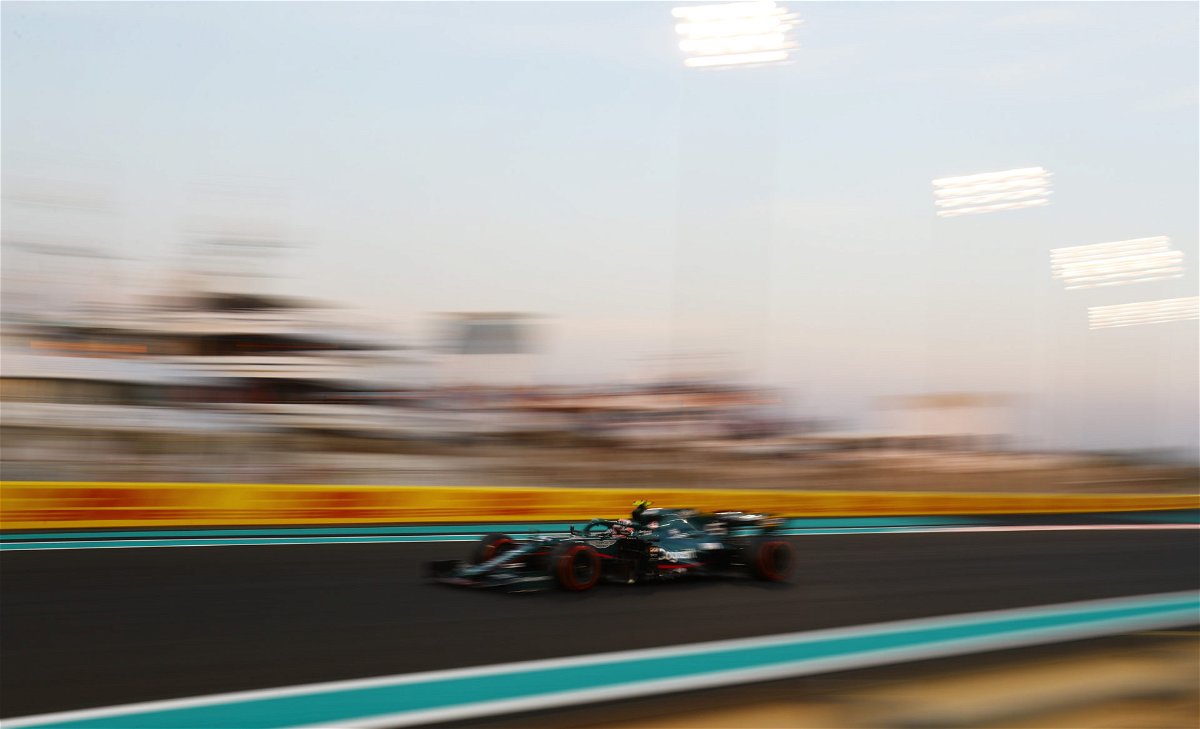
column 769, row 559
column 491, row 546
column 576, row 567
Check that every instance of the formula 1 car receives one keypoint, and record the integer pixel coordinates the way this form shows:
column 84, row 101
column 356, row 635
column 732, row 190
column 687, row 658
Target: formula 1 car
column 656, row 544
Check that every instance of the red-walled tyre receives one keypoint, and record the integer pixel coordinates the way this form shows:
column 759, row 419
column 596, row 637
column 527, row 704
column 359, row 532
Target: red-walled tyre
column 491, row 546
column 770, row 559
column 576, row 567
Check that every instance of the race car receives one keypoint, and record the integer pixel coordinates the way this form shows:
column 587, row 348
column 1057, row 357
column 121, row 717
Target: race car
column 654, row 544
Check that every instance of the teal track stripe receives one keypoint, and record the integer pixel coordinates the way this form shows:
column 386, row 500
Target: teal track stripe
column 35, row 541
column 1172, row 517
column 398, row 539
column 409, row 699
column 806, row 523
column 354, row 535
column 239, row 542
column 471, row 529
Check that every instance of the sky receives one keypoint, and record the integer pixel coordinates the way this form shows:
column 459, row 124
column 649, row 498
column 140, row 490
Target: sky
column 558, row 158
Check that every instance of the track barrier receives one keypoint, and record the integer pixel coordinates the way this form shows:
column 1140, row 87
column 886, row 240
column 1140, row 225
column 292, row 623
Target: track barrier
column 75, row 505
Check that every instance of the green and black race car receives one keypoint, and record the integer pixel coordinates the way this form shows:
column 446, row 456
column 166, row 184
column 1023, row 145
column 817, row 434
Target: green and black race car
column 654, row 544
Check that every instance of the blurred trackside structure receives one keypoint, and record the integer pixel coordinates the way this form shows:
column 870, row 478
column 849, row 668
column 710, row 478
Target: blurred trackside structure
column 961, row 421
column 209, row 380
column 488, row 349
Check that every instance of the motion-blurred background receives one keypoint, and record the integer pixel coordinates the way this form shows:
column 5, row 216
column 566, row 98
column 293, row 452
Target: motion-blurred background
column 887, row 246
column 406, row 234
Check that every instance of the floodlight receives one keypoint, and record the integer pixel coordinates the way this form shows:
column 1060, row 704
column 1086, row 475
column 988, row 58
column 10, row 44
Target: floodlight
column 734, row 34
column 1144, row 312
column 991, row 192
column 1121, row 262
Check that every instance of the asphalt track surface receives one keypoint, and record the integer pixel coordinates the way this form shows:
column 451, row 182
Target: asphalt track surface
column 91, row 628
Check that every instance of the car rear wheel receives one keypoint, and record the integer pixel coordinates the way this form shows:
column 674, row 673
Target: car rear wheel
column 576, row 567
column 492, row 546
column 769, row 559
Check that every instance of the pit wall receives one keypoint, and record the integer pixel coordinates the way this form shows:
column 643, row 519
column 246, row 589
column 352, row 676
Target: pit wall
column 73, row 505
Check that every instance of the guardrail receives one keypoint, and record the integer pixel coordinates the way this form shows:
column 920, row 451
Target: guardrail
column 73, row 505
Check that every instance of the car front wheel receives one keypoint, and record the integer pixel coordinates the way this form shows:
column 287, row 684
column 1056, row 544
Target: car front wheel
column 491, row 546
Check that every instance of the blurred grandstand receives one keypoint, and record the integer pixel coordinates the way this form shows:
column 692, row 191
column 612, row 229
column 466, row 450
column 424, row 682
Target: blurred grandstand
column 205, row 380
column 204, row 370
